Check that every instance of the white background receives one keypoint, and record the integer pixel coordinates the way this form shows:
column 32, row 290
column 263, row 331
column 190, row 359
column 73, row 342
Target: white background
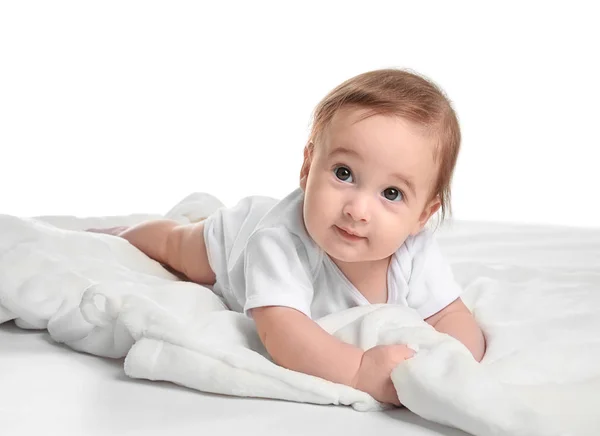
column 121, row 107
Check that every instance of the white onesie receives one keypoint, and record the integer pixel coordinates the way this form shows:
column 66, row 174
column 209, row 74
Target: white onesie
column 262, row 256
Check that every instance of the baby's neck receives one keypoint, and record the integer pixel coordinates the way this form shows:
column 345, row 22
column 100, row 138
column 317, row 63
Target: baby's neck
column 369, row 277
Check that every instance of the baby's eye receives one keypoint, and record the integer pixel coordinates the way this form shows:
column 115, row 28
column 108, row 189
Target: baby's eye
column 343, row 173
column 392, row 194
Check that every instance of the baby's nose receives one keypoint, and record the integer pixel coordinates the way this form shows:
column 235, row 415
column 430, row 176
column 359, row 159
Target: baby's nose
column 358, row 208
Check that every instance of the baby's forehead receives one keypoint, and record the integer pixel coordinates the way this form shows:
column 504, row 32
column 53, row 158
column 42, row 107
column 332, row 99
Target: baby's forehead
column 356, row 127
column 350, row 118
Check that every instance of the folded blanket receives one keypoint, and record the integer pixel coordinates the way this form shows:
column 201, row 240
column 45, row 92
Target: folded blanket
column 98, row 294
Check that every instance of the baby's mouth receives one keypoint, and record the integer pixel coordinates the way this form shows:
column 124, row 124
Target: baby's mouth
column 348, row 234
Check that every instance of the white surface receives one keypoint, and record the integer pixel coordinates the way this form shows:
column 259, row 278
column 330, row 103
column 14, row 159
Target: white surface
column 520, row 281
column 111, row 107
column 48, row 389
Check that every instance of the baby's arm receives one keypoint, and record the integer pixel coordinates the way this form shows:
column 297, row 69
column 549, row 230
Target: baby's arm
column 457, row 321
column 179, row 246
column 433, row 284
column 296, row 342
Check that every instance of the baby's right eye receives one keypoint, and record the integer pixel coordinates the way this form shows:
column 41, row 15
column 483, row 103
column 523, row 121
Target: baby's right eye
column 343, row 173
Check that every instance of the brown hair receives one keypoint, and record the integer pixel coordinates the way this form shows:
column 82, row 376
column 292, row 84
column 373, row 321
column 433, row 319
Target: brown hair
column 407, row 95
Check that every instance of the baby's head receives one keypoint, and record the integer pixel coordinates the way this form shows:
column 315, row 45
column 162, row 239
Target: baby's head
column 378, row 164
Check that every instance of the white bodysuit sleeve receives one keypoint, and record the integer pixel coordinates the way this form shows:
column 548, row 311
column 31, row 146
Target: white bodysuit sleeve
column 276, row 272
column 432, row 285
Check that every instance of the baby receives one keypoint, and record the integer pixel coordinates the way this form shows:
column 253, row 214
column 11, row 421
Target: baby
column 378, row 164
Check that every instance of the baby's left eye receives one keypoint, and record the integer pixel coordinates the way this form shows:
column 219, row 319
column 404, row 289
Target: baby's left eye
column 392, row 194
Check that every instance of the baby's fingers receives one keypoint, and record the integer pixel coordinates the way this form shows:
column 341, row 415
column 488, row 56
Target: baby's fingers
column 402, row 352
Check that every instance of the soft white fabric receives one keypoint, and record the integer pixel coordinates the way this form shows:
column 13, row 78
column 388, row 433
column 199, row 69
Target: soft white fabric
column 262, row 256
column 539, row 309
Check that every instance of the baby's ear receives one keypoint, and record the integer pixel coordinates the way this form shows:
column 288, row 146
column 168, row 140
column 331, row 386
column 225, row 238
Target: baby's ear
column 308, row 155
column 428, row 211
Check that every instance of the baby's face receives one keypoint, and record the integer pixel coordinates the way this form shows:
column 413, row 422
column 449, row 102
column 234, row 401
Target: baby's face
column 368, row 186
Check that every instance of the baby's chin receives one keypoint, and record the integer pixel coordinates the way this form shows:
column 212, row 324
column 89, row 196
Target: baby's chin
column 349, row 255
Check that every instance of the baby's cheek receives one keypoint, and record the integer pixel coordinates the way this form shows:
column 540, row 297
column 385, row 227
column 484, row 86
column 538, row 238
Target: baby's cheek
column 391, row 238
column 322, row 197
column 314, row 213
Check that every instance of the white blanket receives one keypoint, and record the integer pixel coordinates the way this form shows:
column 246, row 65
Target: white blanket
column 539, row 308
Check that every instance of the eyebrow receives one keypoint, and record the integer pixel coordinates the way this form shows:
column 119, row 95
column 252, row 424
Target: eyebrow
column 344, row 150
column 406, row 180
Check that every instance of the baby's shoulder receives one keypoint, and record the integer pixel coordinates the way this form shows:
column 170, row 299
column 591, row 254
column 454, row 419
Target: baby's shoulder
column 277, row 248
column 282, row 233
column 418, row 253
column 418, row 245
column 425, row 278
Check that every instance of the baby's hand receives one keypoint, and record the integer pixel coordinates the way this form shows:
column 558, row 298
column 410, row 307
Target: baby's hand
column 373, row 376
